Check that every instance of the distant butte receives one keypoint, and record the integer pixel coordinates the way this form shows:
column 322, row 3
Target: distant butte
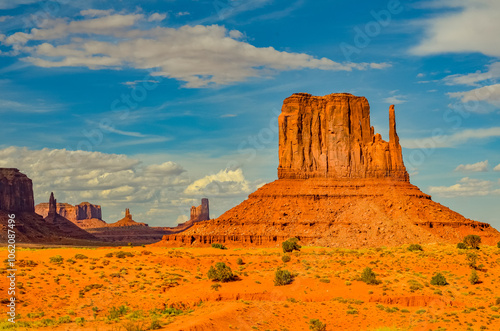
column 65, row 225
column 340, row 185
column 84, row 215
column 126, row 221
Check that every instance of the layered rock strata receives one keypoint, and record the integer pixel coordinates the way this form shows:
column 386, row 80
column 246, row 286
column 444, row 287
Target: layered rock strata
column 331, row 137
column 339, row 185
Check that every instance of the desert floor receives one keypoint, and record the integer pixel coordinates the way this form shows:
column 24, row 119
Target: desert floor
column 143, row 288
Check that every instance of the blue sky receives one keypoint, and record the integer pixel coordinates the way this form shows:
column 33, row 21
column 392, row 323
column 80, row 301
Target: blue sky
column 151, row 105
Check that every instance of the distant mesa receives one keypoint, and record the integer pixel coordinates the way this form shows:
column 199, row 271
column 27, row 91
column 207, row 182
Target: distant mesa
column 84, row 215
column 340, row 185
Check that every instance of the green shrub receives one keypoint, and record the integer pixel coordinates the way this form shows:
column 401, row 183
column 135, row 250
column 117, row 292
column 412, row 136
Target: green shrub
column 473, row 278
column 115, row 313
column 472, row 241
column 122, row 254
column 80, row 257
column 438, row 279
column 282, row 277
column 219, row 246
column 369, row 277
column 414, row 285
column 317, row 325
column 286, row 258
column 290, row 245
column 461, row 246
column 64, row 319
column 472, row 260
column 415, row 247
column 239, row 261
column 134, row 326
column 221, row 273
column 171, row 311
column 498, row 244
column 155, row 325
column 80, row 321
column 108, row 255
column 56, row 259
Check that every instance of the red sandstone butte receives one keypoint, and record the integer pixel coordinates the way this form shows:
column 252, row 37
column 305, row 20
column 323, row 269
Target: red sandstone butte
column 340, row 185
column 84, row 215
column 200, row 213
column 66, row 226
column 331, row 137
column 126, row 221
column 127, row 230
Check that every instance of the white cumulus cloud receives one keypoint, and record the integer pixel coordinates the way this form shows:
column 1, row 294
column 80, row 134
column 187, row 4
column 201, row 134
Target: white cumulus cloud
column 467, row 26
column 395, row 99
column 224, row 183
column 475, row 167
column 96, row 12
column 111, row 180
column 474, row 78
column 198, row 55
column 490, row 94
column 451, row 140
column 157, row 17
column 466, row 187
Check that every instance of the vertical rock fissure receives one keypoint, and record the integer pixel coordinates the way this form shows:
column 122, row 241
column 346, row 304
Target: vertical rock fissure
column 331, row 137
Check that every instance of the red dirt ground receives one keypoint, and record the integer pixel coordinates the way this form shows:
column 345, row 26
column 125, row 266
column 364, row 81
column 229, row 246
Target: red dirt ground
column 56, row 296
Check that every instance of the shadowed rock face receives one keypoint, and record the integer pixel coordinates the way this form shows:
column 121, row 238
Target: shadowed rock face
column 16, row 197
column 331, row 137
column 339, row 185
column 16, row 191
